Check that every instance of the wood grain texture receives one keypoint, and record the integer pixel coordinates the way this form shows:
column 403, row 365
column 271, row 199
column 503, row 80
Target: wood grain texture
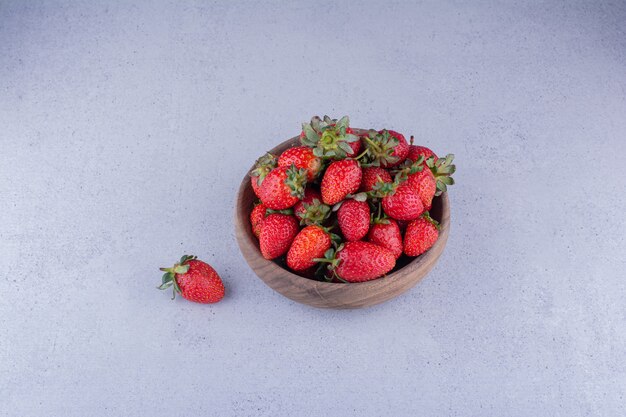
column 335, row 295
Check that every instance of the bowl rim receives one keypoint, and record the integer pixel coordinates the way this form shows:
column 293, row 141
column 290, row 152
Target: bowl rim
column 246, row 238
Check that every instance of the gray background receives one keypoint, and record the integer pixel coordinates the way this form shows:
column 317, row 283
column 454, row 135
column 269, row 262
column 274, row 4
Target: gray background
column 126, row 129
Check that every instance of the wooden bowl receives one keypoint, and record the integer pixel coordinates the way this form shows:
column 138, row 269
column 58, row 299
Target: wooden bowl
column 408, row 271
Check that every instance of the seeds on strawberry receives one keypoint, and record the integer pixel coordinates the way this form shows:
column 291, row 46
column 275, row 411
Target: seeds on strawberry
column 424, row 184
column 277, row 233
column 256, row 218
column 420, row 235
column 263, row 166
column 312, row 242
column 195, row 280
column 403, row 204
column 354, row 219
column 301, row 157
column 416, row 151
column 386, row 233
column 359, row 261
column 371, row 176
column 283, row 187
column 340, row 179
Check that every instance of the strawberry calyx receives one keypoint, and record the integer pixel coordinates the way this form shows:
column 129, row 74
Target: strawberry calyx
column 362, row 197
column 426, row 216
column 330, row 263
column 263, row 166
column 378, row 216
column 442, row 169
column 329, row 138
column 380, row 147
column 169, row 277
column 315, row 212
column 296, row 180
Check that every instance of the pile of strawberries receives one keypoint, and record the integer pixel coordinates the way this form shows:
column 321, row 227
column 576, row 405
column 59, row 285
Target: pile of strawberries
column 346, row 204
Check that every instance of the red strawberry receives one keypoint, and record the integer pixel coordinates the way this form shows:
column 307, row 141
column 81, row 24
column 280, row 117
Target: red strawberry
column 371, row 175
column 421, row 234
column 340, row 179
column 283, row 187
column 310, row 194
column 423, row 182
column 312, row 242
column 301, row 157
column 354, row 219
column 386, row 148
column 263, row 166
column 277, row 233
column 356, row 145
column 194, row 280
column 330, row 138
column 256, row 218
column 311, row 210
column 359, row 261
column 416, row 151
column 403, row 204
column 386, row 233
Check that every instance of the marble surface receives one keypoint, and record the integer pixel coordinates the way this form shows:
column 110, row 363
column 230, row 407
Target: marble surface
column 125, row 130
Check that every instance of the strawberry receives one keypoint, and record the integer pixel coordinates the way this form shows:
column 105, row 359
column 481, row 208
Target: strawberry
column 421, row 179
column 311, row 210
column 421, row 234
column 371, row 175
column 340, row 179
column 359, row 261
column 312, row 242
column 386, row 233
column 329, row 138
column 442, row 170
column 195, row 280
column 277, row 233
column 385, row 148
column 403, row 204
column 353, row 217
column 399, row 200
column 301, row 157
column 416, row 151
column 263, row 166
column 283, row 187
column 256, row 218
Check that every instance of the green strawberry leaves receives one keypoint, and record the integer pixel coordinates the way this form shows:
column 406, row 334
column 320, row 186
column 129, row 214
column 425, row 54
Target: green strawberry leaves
column 442, row 169
column 169, row 277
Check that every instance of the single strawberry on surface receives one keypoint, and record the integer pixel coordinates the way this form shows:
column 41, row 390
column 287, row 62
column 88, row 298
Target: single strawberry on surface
column 193, row 279
column 312, row 242
column 301, row 157
column 386, row 233
column 283, row 187
column 359, row 261
column 353, row 217
column 420, row 235
column 340, row 179
column 277, row 233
